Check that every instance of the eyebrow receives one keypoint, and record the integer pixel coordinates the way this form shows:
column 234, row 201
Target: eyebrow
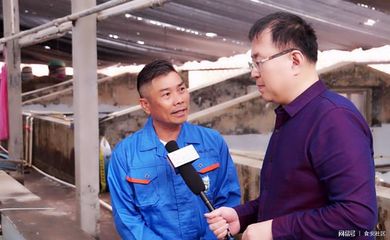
column 181, row 84
column 257, row 55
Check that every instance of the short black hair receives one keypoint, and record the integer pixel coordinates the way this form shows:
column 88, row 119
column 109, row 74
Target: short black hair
column 288, row 30
column 152, row 70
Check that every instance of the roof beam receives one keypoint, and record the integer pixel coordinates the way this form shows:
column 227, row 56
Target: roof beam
column 61, row 26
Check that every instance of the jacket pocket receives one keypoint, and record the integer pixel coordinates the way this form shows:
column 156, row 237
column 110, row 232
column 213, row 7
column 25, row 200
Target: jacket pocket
column 144, row 183
column 207, row 169
column 205, row 165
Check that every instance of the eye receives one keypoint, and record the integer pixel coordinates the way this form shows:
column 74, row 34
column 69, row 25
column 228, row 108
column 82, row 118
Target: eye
column 182, row 89
column 166, row 94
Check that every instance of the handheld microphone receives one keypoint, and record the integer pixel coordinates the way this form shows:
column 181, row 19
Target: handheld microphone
column 192, row 179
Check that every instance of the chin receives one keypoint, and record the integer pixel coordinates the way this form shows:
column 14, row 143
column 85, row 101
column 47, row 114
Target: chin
column 182, row 119
column 266, row 98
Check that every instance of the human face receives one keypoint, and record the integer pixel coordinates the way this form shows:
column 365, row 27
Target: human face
column 59, row 73
column 258, row 64
column 166, row 100
column 273, row 73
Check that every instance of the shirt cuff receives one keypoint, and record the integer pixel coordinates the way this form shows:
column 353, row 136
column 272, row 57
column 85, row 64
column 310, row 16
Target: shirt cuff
column 245, row 217
column 282, row 227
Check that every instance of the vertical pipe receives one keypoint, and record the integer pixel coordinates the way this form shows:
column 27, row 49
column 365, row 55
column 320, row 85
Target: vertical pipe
column 26, row 137
column 85, row 104
column 12, row 59
column 31, row 137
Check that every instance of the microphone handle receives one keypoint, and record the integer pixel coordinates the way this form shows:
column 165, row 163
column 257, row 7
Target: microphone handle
column 211, row 208
column 207, row 201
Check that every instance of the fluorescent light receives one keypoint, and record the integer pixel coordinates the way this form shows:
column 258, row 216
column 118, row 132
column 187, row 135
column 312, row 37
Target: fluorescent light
column 211, row 34
column 113, row 36
column 369, row 22
column 141, row 42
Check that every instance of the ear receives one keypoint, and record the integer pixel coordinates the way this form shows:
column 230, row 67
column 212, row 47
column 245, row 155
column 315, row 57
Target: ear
column 145, row 105
column 297, row 60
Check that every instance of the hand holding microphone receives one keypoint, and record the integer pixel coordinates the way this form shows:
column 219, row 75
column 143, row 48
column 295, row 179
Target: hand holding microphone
column 190, row 176
column 223, row 220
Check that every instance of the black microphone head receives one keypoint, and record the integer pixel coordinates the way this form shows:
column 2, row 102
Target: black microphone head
column 171, row 146
column 191, row 178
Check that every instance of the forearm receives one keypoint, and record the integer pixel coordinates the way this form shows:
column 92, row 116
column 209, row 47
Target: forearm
column 325, row 223
column 247, row 213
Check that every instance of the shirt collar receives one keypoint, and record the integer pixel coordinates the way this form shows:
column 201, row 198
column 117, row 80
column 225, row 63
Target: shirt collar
column 149, row 139
column 188, row 136
column 303, row 99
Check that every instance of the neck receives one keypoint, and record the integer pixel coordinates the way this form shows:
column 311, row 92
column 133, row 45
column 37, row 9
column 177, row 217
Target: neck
column 302, row 83
column 167, row 132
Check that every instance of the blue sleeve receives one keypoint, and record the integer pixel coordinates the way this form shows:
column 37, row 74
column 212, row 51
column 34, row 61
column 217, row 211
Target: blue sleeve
column 128, row 220
column 343, row 160
column 229, row 194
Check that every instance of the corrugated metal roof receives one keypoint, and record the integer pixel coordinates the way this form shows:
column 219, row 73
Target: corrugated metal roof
column 177, row 30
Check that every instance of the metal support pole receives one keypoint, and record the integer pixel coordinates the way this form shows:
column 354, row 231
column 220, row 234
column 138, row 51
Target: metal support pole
column 12, row 59
column 85, row 104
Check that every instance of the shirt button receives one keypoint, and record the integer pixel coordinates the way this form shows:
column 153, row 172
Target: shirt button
column 147, row 175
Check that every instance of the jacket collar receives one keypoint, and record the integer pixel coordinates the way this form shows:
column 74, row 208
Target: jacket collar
column 150, row 140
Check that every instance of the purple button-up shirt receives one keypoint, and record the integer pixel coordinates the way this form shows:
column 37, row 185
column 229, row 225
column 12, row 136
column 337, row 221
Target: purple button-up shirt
column 318, row 175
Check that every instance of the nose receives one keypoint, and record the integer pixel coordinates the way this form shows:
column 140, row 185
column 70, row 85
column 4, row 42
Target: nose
column 255, row 74
column 179, row 98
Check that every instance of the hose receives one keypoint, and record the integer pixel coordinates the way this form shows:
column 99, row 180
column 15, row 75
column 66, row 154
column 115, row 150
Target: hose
column 102, row 203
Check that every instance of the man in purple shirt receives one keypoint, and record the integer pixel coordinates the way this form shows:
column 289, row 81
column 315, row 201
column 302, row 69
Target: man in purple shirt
column 317, row 179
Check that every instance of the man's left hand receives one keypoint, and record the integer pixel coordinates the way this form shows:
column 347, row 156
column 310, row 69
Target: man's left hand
column 256, row 230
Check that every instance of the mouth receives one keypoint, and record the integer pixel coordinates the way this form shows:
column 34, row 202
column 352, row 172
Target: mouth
column 260, row 87
column 179, row 112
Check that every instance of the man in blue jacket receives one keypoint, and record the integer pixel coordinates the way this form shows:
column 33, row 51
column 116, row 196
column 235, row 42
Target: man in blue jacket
column 150, row 199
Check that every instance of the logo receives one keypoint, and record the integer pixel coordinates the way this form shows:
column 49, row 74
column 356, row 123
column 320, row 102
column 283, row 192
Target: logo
column 206, row 181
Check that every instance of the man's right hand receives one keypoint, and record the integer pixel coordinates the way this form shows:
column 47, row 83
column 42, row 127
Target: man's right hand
column 223, row 219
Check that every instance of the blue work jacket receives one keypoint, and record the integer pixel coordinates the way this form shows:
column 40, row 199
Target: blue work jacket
column 151, row 200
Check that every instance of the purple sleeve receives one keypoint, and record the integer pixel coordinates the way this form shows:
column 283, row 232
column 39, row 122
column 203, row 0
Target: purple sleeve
column 247, row 213
column 340, row 151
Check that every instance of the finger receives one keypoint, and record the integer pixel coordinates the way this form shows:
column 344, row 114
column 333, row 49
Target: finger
column 217, row 224
column 221, row 232
column 215, row 220
column 215, row 213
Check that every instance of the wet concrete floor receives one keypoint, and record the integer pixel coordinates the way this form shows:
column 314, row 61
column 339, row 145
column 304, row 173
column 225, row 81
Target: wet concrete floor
column 63, row 199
